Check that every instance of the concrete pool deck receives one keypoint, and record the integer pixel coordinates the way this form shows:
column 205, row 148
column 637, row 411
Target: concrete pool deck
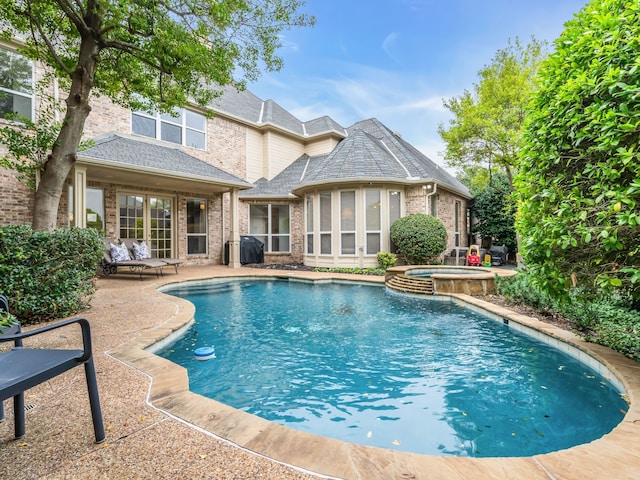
column 157, row 429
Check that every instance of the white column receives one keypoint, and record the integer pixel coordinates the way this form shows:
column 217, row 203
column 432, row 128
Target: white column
column 80, row 197
column 234, row 233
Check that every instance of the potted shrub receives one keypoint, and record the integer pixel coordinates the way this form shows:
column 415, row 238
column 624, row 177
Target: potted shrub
column 8, row 323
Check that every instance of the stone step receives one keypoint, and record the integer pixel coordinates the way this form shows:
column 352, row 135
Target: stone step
column 410, row 284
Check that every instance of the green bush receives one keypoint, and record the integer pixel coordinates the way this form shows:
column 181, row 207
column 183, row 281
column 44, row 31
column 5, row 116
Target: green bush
column 352, row 270
column 386, row 260
column 579, row 175
column 609, row 320
column 522, row 289
column 419, row 237
column 48, row 275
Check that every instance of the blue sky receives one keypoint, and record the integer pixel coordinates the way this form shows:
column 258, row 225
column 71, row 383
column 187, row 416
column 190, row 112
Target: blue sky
column 396, row 60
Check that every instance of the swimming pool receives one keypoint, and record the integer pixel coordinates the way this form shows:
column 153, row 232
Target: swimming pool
column 490, row 392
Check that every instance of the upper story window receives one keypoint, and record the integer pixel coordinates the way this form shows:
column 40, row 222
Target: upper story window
column 16, row 84
column 183, row 126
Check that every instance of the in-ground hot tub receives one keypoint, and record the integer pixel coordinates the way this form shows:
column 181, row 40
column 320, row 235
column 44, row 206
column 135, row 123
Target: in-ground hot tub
column 453, row 279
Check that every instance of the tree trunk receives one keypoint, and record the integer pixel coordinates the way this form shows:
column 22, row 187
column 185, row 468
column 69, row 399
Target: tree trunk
column 63, row 154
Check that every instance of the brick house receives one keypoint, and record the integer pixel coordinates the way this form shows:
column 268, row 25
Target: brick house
column 312, row 192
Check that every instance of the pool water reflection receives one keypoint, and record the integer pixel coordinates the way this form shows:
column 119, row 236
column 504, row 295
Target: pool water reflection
column 359, row 364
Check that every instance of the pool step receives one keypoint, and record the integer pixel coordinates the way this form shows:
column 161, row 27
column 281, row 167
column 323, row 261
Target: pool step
column 410, row 284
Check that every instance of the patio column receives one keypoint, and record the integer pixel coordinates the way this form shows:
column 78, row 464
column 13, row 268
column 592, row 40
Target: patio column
column 80, row 197
column 234, row 233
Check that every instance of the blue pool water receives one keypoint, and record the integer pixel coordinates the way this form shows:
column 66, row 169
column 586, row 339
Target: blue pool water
column 360, row 364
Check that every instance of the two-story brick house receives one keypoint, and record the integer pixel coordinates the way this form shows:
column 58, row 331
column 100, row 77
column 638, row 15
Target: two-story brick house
column 313, row 192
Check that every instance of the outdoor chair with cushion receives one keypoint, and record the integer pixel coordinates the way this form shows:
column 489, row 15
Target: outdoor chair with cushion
column 140, row 251
column 22, row 368
column 117, row 255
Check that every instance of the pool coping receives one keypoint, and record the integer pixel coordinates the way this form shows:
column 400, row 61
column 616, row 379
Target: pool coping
column 615, row 455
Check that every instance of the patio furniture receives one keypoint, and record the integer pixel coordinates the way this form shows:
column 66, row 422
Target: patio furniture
column 22, row 368
column 110, row 265
column 4, row 307
column 134, row 246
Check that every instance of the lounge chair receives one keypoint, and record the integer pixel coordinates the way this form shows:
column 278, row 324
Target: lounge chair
column 23, row 368
column 139, row 250
column 111, row 263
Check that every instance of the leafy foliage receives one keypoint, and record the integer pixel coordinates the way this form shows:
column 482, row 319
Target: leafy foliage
column 494, row 210
column 29, row 142
column 6, row 320
column 352, row 270
column 487, row 125
column 48, row 275
column 579, row 183
column 386, row 260
column 421, row 238
column 610, row 320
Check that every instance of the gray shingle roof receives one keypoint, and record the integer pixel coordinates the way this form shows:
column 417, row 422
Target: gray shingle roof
column 417, row 164
column 322, row 125
column 359, row 156
column 371, row 152
column 120, row 149
column 244, row 105
column 282, row 184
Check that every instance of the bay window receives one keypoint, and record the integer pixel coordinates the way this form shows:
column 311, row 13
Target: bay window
column 348, row 223
column 373, row 221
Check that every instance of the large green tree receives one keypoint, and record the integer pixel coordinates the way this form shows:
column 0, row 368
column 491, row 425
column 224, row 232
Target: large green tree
column 579, row 179
column 494, row 212
column 487, row 123
column 141, row 54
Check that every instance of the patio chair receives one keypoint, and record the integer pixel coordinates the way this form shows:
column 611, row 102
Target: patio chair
column 110, row 264
column 4, row 307
column 23, row 368
column 136, row 248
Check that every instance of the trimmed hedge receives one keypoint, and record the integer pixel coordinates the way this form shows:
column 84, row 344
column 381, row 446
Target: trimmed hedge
column 421, row 238
column 48, row 275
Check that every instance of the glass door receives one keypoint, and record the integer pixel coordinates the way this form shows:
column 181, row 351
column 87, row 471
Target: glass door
column 161, row 227
column 148, row 218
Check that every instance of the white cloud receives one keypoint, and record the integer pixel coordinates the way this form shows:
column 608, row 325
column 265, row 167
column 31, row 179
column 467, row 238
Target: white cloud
column 404, row 102
column 388, row 44
column 288, row 44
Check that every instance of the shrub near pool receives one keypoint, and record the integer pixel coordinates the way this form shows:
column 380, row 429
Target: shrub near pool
column 48, row 275
column 609, row 320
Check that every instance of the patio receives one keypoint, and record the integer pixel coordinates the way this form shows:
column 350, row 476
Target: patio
column 146, row 442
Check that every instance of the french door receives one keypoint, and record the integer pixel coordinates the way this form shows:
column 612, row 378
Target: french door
column 149, row 218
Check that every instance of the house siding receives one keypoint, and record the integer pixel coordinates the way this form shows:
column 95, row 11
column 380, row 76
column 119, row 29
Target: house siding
column 321, row 147
column 279, row 152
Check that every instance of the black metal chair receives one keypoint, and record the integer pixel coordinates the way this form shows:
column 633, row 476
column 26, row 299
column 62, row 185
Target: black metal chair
column 4, row 307
column 23, row 368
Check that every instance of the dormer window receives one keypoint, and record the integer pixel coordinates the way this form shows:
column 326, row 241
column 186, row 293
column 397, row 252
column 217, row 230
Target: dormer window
column 16, row 84
column 182, row 126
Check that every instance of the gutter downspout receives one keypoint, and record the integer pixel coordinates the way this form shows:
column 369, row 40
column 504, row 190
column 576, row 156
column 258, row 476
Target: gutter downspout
column 432, row 186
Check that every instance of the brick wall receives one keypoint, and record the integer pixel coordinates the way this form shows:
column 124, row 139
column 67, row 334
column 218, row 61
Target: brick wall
column 225, row 142
column 16, row 200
